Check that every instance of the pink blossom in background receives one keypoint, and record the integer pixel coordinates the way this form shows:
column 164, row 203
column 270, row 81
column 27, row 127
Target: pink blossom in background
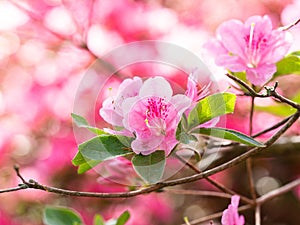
column 253, row 46
column 5, row 219
column 290, row 15
column 231, row 215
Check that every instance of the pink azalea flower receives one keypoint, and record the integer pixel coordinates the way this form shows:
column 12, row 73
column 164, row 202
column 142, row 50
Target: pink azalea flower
column 197, row 91
column 252, row 46
column 153, row 116
column 111, row 110
column 231, row 215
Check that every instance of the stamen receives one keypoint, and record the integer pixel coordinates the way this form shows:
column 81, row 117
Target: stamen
column 251, row 35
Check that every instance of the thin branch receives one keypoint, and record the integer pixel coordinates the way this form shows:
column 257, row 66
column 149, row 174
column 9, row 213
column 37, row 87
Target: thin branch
column 214, row 182
column 278, row 191
column 242, row 83
column 270, row 92
column 289, row 26
column 274, row 94
column 249, row 160
column 217, row 215
column 21, row 187
column 251, row 115
column 250, row 178
column 282, row 122
column 198, row 193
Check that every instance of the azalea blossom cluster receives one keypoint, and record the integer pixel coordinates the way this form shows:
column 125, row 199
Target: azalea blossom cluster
column 150, row 112
column 253, row 47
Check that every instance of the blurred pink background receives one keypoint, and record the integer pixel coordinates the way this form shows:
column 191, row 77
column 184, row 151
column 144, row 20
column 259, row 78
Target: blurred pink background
column 46, row 47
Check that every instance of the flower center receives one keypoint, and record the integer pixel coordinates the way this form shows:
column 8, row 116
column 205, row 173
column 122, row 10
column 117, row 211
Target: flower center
column 157, row 108
column 156, row 114
column 256, row 43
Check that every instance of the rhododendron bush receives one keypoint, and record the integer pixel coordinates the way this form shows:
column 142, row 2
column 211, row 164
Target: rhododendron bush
column 149, row 112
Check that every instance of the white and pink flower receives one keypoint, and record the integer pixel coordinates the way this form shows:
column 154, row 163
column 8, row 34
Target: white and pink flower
column 148, row 111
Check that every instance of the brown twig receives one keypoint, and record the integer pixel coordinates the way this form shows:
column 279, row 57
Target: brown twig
column 282, row 122
column 249, row 160
column 270, row 92
column 217, row 215
column 289, row 26
column 21, row 187
column 214, row 182
column 198, row 193
column 279, row 191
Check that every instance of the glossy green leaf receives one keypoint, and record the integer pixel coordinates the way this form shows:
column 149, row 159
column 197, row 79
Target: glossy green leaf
column 288, row 65
column 84, row 164
column 61, row 216
column 186, row 138
column 150, row 167
column 98, row 220
column 81, row 122
column 98, row 149
column 241, row 75
column 103, row 147
column 123, row 218
column 231, row 135
column 210, row 107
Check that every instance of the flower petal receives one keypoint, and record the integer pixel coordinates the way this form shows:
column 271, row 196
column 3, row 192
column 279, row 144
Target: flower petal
column 260, row 75
column 233, row 63
column 181, row 103
column 157, row 86
column 231, row 35
column 109, row 114
column 262, row 24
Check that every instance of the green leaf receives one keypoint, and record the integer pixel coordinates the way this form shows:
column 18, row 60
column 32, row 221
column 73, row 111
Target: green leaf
column 288, row 65
column 98, row 220
column 277, row 109
column 229, row 135
column 150, row 167
column 182, row 126
column 297, row 53
column 81, row 122
column 98, row 149
column 83, row 163
column 241, row 75
column 186, row 138
column 61, row 216
column 103, row 147
column 123, row 218
column 211, row 107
